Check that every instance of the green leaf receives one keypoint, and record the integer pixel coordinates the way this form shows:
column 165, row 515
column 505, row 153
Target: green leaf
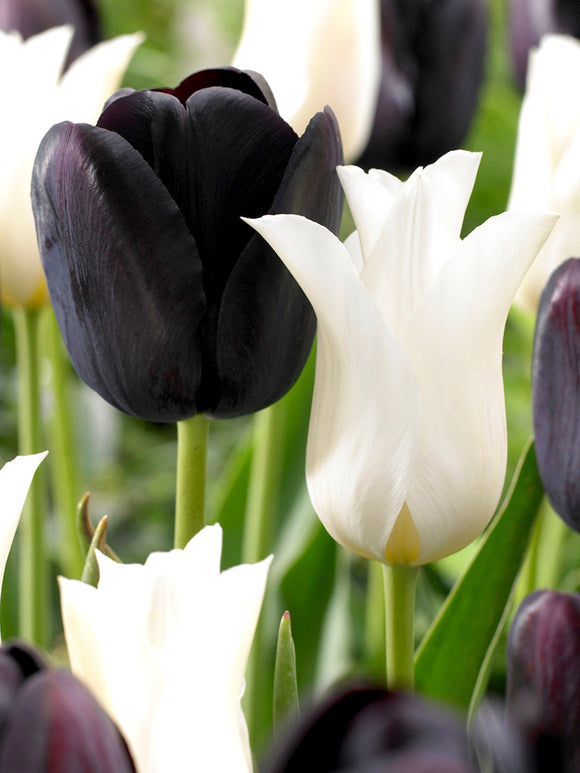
column 453, row 661
column 285, row 686
column 98, row 542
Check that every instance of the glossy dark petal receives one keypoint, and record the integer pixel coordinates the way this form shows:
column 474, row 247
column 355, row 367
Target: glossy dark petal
column 259, row 359
column 57, row 726
column 123, row 271
column 258, row 144
column 367, row 730
column 543, row 671
column 156, row 125
column 246, row 82
column 556, row 391
column 30, row 17
column 433, row 67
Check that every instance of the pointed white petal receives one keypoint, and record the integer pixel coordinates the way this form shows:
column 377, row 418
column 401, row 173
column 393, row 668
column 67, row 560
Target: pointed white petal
column 366, row 412
column 455, row 342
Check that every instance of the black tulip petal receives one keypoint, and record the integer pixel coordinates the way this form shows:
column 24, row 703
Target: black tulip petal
column 259, row 144
column 245, row 82
column 259, row 358
column 556, row 391
column 56, row 726
column 123, row 271
column 156, row 125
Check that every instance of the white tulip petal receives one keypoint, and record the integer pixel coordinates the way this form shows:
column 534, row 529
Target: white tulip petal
column 454, row 340
column 15, row 479
column 352, row 245
column 357, row 479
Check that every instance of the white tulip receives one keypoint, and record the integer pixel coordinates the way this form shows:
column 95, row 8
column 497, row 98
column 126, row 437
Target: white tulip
column 164, row 647
column 315, row 53
column 36, row 95
column 546, row 172
column 407, row 442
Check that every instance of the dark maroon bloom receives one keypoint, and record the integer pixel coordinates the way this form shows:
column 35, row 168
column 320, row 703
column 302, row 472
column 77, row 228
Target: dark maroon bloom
column 556, row 391
column 50, row 723
column 30, row 17
column 433, row 56
column 543, row 687
column 530, row 19
column 169, row 304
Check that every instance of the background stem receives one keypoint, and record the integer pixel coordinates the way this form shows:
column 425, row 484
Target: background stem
column 192, row 437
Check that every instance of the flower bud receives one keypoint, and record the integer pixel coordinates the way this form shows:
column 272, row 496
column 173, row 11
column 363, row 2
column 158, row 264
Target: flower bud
column 543, row 673
column 556, row 391
column 50, row 723
column 433, row 57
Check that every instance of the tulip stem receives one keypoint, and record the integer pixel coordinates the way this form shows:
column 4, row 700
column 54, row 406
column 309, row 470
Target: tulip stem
column 400, row 585
column 64, row 465
column 192, row 436
column 32, row 569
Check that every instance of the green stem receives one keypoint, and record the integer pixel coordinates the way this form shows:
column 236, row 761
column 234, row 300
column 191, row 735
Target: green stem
column 64, row 465
column 375, row 622
column 192, row 436
column 400, row 585
column 33, row 622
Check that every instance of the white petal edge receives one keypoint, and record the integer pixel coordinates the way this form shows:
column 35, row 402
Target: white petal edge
column 366, row 412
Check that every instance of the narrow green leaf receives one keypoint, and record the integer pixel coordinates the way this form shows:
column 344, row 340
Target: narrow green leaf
column 285, row 686
column 454, row 658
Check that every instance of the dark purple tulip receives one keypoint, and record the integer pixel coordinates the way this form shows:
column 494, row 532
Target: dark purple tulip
column 169, row 304
column 30, row 17
column 530, row 19
column 433, row 57
column 50, row 723
column 556, row 390
column 543, row 674
column 369, row 730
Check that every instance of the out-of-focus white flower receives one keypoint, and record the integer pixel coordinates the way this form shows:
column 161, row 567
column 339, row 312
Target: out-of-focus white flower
column 36, row 95
column 15, row 479
column 315, row 53
column 164, row 647
column 547, row 160
column 407, row 442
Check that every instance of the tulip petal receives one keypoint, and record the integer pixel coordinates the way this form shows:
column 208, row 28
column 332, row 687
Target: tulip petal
column 555, row 377
column 460, row 466
column 363, row 378
column 270, row 355
column 136, row 242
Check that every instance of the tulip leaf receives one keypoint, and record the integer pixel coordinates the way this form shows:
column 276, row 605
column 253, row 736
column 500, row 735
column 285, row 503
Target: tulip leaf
column 454, row 658
column 98, row 542
column 285, row 684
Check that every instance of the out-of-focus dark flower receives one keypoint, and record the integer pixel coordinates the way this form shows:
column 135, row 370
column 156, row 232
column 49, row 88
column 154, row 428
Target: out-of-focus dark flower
column 168, row 303
column 530, row 19
column 29, row 17
column 50, row 723
column 556, row 391
column 433, row 66
column 365, row 730
column 543, row 675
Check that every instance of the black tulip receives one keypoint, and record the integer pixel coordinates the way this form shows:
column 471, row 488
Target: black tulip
column 50, row 723
column 530, row 19
column 169, row 304
column 433, row 58
column 543, row 676
column 29, row 17
column 369, row 730
column 556, row 390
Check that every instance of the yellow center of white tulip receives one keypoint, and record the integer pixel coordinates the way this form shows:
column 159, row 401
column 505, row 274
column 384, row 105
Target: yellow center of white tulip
column 403, row 544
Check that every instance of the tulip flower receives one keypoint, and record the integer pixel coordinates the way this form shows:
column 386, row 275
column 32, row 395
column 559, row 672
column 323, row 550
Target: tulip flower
column 547, row 161
column 530, row 20
column 50, row 722
column 164, row 647
column 433, row 60
column 407, row 444
column 29, row 17
column 315, row 53
column 34, row 67
column 555, row 391
column 543, row 671
column 168, row 303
